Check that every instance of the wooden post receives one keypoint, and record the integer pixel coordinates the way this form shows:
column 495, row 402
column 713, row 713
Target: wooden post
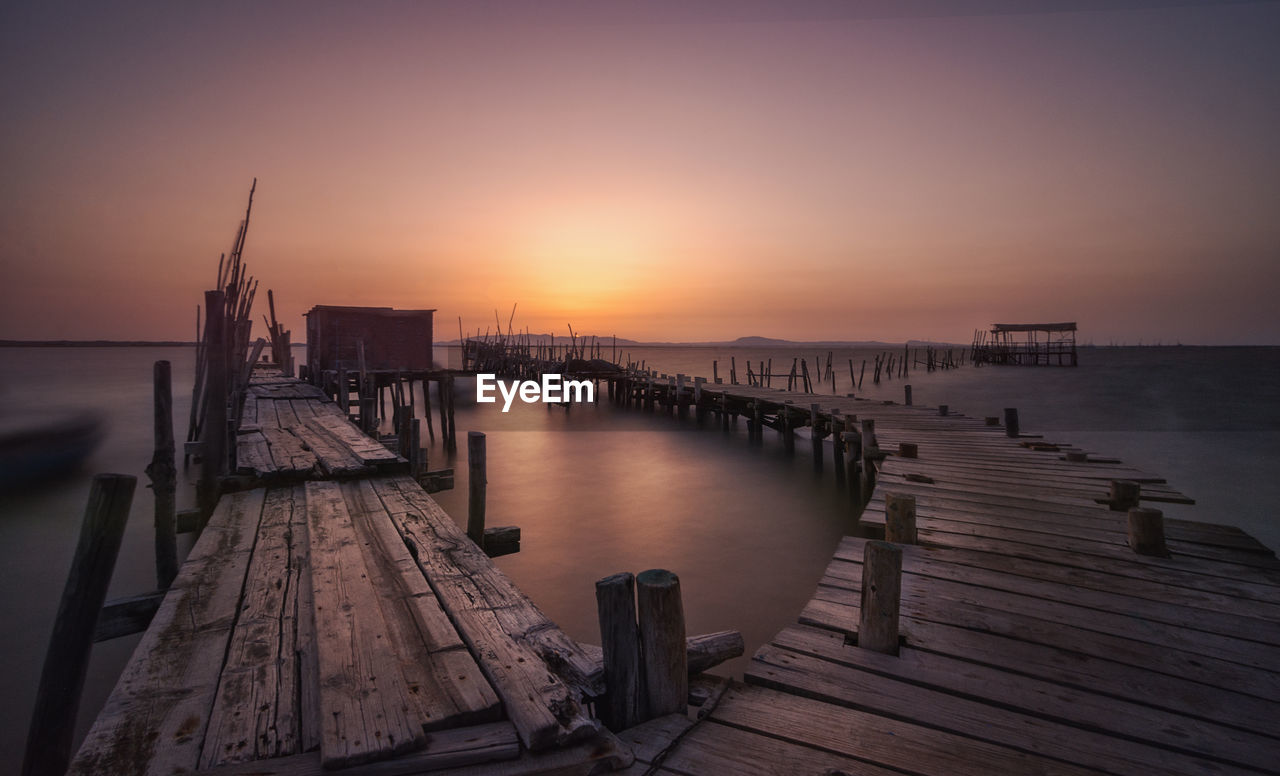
column 944, row 410
column 53, row 721
column 906, row 395
column 837, row 445
column 344, row 392
column 1146, row 532
column 662, row 643
column 476, row 486
column 881, row 597
column 620, row 638
column 417, row 458
column 853, row 440
column 788, row 438
column 908, row 450
column 1011, row 428
column 1124, row 495
column 403, row 434
column 899, row 519
column 444, row 415
column 816, row 440
column 453, row 429
column 163, row 473
column 215, row 418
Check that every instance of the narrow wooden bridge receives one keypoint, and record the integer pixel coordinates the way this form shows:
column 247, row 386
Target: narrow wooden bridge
column 1033, row 638
column 332, row 615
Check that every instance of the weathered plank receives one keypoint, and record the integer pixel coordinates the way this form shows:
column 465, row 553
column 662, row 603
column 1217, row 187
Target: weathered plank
column 832, row 683
column 1024, row 625
column 1114, row 601
column 1070, row 705
column 255, row 714
column 512, row 641
column 448, row 686
column 367, row 707
column 253, row 454
column 146, row 727
column 880, row 739
column 288, row 453
column 369, row 451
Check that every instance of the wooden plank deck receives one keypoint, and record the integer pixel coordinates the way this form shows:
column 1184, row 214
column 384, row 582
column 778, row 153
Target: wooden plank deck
column 345, row 621
column 1035, row 639
column 291, row 431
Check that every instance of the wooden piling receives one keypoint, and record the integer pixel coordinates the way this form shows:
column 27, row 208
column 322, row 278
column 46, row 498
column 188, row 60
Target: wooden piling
column 344, row 391
column 837, row 445
column 1011, row 428
column 620, row 639
column 417, row 456
column 906, row 395
column 476, row 476
column 881, row 594
column 163, row 473
column 662, row 642
column 214, row 428
column 944, row 410
column 815, row 438
column 1146, row 532
column 53, row 721
column 444, row 413
column 1125, row 495
column 899, row 518
column 784, row 425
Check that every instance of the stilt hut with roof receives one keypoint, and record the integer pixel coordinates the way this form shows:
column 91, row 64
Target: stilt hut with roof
column 1027, row 344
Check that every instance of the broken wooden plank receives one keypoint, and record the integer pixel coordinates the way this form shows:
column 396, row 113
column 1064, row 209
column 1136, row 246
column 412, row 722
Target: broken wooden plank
column 539, row 673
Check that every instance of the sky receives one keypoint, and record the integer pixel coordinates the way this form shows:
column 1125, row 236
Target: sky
column 812, row 170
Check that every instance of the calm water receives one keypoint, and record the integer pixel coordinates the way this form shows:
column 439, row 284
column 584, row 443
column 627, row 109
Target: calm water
column 597, row 490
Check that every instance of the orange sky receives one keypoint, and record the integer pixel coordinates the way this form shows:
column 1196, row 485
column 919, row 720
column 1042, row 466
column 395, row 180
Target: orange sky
column 665, row 172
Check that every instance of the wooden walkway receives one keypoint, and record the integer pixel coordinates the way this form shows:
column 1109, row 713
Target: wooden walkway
column 289, row 430
column 323, row 623
column 1035, row 639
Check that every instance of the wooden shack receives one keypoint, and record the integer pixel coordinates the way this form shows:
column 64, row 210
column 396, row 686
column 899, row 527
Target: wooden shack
column 392, row 340
column 1027, row 344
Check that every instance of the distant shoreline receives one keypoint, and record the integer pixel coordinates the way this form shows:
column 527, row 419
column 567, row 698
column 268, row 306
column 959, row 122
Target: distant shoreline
column 629, row 343
column 93, row 344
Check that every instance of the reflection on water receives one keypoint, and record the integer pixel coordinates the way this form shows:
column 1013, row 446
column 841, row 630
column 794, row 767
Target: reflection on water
column 749, row 529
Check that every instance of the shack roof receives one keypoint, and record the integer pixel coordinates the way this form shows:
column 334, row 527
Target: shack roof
column 1069, row 326
column 386, row 311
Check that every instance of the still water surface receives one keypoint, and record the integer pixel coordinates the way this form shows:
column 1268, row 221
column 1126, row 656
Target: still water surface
column 598, row 490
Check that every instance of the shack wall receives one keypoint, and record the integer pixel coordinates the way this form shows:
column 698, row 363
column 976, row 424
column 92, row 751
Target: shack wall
column 393, row 339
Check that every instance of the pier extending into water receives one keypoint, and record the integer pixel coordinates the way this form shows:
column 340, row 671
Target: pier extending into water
column 1034, row 612
column 1031, row 613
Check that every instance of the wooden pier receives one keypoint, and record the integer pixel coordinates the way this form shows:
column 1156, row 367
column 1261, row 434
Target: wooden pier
column 1027, row 618
column 1032, row 638
column 332, row 615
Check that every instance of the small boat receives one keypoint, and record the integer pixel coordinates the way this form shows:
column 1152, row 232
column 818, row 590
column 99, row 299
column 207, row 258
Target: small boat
column 39, row 446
